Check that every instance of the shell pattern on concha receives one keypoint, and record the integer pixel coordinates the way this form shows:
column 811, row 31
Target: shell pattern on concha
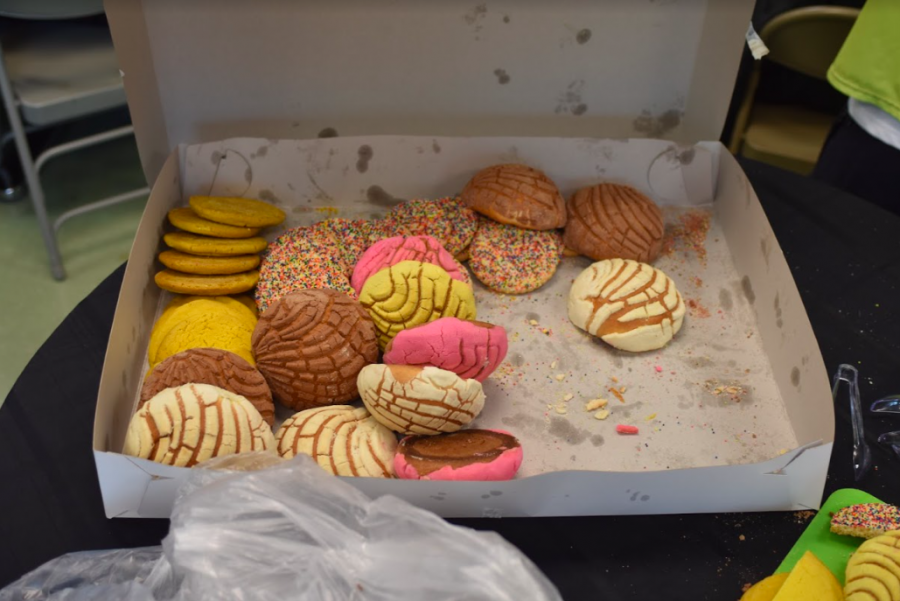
column 310, row 346
column 417, row 400
column 873, row 572
column 217, row 368
column 191, row 423
column 630, row 305
column 344, row 441
column 609, row 221
column 517, row 195
column 411, row 293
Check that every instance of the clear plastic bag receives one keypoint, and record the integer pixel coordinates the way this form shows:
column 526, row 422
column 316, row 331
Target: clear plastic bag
column 288, row 532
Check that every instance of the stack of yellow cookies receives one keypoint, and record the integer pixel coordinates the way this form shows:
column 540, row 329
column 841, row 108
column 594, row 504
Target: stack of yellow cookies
column 217, row 248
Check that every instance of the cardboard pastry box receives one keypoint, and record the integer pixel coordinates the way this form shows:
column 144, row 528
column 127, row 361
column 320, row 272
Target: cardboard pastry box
column 353, row 106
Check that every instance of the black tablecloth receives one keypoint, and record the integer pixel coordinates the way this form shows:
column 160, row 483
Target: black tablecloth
column 845, row 257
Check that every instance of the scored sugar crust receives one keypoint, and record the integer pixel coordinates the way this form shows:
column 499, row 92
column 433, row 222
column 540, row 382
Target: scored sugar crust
column 192, row 423
column 873, row 572
column 390, row 251
column 612, row 221
column 310, row 346
column 629, row 305
column 411, row 293
column 517, row 195
column 217, row 368
column 470, row 349
column 419, row 400
column 344, row 441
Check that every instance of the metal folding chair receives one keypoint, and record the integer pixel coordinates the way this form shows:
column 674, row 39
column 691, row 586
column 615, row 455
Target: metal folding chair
column 52, row 72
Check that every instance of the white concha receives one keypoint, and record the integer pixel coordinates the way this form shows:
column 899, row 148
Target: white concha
column 185, row 425
column 419, row 400
column 344, row 440
column 630, row 305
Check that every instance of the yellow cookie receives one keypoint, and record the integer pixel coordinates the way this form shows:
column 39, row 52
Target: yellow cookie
column 766, row 589
column 411, row 293
column 206, row 285
column 219, row 247
column 206, row 324
column 247, row 302
column 199, row 264
column 184, row 218
column 171, row 316
column 245, row 212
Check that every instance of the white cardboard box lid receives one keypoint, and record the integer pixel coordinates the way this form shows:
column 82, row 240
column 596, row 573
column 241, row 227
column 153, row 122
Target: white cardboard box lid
column 202, row 71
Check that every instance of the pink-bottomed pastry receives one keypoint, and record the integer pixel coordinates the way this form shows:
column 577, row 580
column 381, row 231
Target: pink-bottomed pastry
column 390, row 251
column 463, row 455
column 470, row 349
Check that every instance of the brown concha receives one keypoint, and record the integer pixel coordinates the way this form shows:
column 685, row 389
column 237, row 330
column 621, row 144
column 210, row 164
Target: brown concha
column 516, row 195
column 215, row 367
column 311, row 344
column 613, row 221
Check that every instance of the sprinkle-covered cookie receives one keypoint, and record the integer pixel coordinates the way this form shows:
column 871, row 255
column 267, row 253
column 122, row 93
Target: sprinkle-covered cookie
column 512, row 260
column 447, row 219
column 301, row 259
column 381, row 229
column 351, row 236
column 866, row 520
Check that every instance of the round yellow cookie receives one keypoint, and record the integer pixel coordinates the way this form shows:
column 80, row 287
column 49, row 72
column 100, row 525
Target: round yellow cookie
column 184, row 218
column 201, row 265
column 206, row 285
column 217, row 247
column 206, row 324
column 245, row 212
column 242, row 306
column 411, row 293
column 766, row 589
column 247, row 302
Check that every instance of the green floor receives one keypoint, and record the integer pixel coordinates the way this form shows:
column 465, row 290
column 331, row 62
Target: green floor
column 92, row 246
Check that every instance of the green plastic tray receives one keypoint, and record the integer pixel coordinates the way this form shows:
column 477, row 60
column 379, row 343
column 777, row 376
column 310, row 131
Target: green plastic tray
column 832, row 549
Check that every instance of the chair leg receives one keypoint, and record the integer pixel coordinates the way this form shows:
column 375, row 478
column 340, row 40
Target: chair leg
column 32, row 179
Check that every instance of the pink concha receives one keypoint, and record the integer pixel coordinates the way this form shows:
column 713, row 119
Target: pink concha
column 471, row 349
column 502, row 467
column 390, row 251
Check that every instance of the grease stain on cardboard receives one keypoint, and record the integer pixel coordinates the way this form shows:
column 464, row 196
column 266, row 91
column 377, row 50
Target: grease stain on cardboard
column 379, row 196
column 569, row 100
column 725, row 300
column 365, row 154
column 657, row 126
column 747, row 287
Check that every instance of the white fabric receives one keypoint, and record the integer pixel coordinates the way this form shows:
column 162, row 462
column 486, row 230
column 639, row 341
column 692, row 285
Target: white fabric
column 875, row 121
